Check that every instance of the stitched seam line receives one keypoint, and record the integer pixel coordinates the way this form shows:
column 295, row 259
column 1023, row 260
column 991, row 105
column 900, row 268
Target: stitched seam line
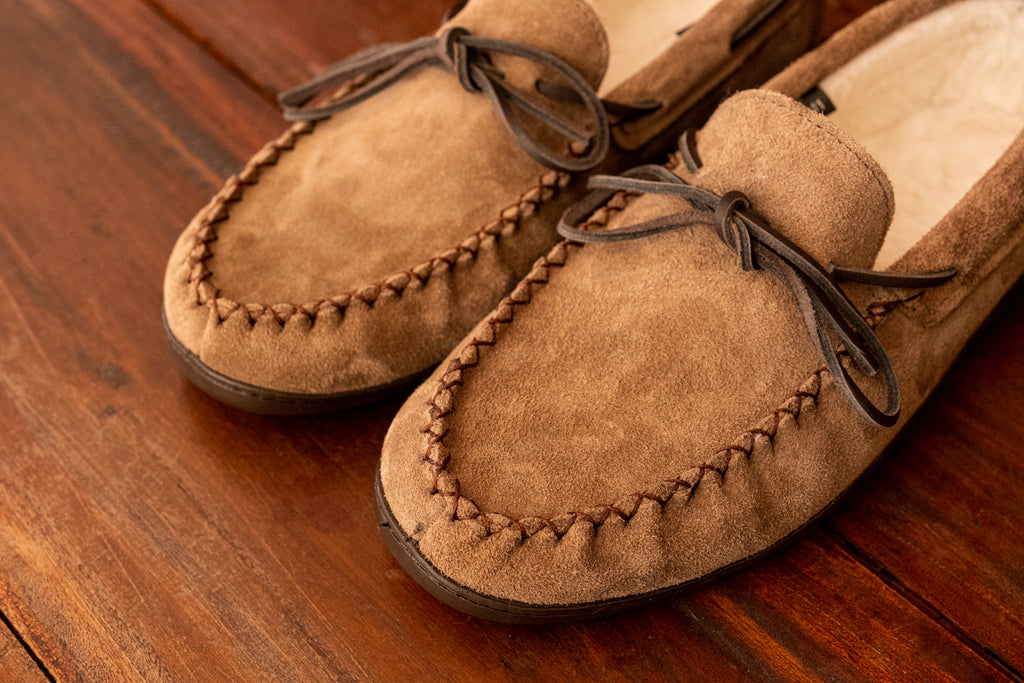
column 441, row 406
column 200, row 276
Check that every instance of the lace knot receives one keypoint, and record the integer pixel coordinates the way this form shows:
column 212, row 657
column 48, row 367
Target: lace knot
column 828, row 314
column 733, row 232
column 454, row 55
column 525, row 112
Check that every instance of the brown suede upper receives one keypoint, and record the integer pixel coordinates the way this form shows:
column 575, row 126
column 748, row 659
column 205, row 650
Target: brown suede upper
column 356, row 251
column 637, row 415
column 599, row 306
column 363, row 171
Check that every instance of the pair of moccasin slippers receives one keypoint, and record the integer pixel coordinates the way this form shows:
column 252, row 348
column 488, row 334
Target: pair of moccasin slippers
column 624, row 423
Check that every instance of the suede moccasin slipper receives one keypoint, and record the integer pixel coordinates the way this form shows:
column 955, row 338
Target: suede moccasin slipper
column 684, row 384
column 422, row 180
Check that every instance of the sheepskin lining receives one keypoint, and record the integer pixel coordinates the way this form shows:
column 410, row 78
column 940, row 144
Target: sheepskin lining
column 639, row 30
column 936, row 104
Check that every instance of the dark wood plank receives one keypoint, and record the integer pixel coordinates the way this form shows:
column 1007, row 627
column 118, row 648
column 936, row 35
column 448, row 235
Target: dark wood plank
column 151, row 533
column 16, row 665
column 813, row 613
column 280, row 43
column 103, row 165
column 194, row 104
column 275, row 44
column 945, row 512
column 839, row 13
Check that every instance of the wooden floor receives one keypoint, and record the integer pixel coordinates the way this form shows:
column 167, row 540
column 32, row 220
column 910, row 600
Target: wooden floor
column 148, row 533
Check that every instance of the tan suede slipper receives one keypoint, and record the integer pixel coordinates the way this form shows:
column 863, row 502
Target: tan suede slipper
column 685, row 384
column 422, row 180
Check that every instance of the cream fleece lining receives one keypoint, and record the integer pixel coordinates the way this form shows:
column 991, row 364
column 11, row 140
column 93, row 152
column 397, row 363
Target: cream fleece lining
column 639, row 30
column 936, row 104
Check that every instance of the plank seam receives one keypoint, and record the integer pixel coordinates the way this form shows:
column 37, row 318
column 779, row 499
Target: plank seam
column 890, row 579
column 206, row 45
column 28, row 648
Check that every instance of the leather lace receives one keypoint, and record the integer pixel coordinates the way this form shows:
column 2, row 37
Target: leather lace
column 468, row 57
column 826, row 311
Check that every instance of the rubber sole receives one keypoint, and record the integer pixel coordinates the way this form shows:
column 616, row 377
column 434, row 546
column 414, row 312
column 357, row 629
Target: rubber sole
column 256, row 399
column 406, row 552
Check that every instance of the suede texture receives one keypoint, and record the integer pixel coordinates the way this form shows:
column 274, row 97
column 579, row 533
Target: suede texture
column 973, row 236
column 357, row 251
column 657, row 303
column 705, row 57
column 639, row 415
column 364, row 172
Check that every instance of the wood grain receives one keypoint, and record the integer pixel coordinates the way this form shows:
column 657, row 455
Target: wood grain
column 149, row 533
column 945, row 512
column 16, row 665
column 103, row 165
column 275, row 44
column 279, row 44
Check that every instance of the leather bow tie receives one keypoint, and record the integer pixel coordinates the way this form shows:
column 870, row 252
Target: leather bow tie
column 825, row 309
column 468, row 57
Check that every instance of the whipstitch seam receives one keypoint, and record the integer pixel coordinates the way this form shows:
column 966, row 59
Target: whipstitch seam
column 206, row 293
column 441, row 406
